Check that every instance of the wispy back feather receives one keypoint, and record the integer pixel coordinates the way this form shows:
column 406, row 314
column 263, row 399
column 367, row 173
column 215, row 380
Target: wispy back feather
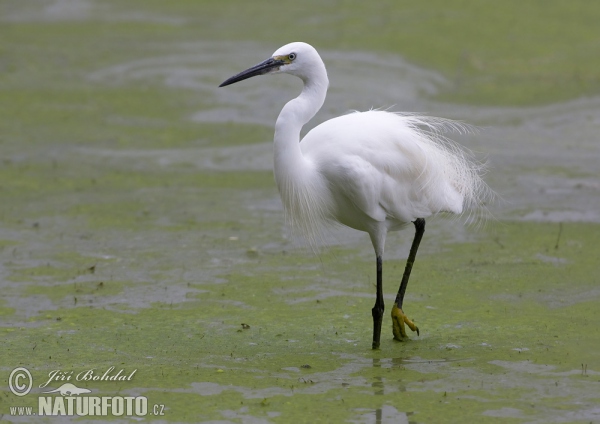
column 439, row 162
column 458, row 163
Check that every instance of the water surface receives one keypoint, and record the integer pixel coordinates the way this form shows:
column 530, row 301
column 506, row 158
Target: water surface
column 141, row 228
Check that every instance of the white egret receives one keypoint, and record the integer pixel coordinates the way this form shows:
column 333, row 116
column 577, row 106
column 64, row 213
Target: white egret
column 373, row 171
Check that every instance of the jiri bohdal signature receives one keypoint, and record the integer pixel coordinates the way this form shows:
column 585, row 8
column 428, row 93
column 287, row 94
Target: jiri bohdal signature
column 91, row 374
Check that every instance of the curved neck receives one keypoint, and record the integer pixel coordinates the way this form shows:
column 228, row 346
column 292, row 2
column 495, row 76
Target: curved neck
column 293, row 116
column 297, row 178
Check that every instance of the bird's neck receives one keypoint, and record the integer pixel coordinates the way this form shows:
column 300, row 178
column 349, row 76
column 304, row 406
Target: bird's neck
column 289, row 160
column 299, row 183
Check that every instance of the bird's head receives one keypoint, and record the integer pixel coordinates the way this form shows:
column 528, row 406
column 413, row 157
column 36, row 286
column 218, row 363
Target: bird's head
column 298, row 59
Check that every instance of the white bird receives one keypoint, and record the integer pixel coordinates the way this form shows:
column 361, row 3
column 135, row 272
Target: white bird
column 373, row 171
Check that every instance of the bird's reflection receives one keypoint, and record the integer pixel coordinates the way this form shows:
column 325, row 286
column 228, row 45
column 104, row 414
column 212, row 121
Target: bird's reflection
column 387, row 414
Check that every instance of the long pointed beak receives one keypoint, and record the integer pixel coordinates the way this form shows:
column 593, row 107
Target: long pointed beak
column 260, row 69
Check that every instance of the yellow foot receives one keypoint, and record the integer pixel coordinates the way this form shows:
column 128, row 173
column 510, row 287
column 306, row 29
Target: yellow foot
column 398, row 321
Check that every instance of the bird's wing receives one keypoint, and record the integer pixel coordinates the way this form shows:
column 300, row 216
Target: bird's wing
column 372, row 163
column 383, row 166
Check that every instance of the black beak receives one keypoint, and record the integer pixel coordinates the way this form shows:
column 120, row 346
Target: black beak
column 260, row 69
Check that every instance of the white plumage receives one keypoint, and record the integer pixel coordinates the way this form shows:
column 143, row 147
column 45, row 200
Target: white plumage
column 381, row 168
column 373, row 171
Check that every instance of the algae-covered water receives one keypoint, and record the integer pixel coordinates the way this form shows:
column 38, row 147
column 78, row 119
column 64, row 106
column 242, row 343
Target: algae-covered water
column 141, row 232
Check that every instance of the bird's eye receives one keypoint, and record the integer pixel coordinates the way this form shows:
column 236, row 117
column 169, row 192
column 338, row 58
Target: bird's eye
column 292, row 56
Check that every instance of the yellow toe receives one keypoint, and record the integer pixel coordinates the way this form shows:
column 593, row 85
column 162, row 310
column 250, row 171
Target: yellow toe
column 399, row 319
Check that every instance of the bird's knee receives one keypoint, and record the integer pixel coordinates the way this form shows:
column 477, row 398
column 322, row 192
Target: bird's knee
column 419, row 224
column 377, row 311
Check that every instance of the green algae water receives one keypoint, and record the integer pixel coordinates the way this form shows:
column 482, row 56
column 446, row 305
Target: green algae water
column 141, row 229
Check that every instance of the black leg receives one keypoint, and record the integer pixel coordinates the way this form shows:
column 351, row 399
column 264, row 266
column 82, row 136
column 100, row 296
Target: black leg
column 379, row 306
column 419, row 230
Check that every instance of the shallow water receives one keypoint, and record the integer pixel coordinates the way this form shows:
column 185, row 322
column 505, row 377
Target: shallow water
column 141, row 227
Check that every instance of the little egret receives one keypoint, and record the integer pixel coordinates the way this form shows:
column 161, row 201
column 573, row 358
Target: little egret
column 373, row 171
